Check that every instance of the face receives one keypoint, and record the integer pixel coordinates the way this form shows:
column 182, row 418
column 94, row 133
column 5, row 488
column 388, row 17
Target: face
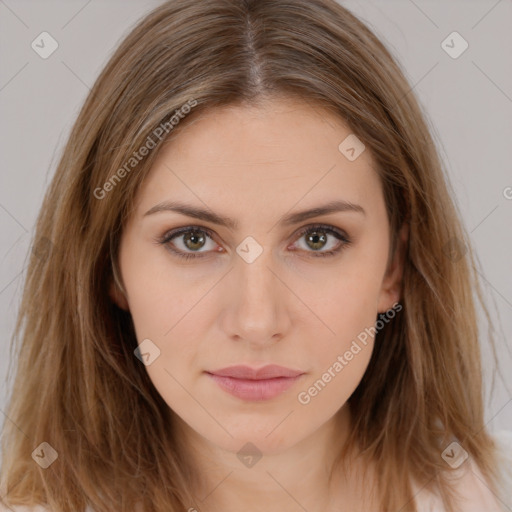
column 250, row 281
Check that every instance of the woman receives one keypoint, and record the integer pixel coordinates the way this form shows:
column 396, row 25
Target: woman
column 254, row 285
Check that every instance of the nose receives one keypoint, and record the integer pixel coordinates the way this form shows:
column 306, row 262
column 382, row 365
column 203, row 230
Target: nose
column 256, row 309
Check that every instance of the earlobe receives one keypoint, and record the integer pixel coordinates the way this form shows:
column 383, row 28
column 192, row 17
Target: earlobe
column 118, row 296
column 392, row 282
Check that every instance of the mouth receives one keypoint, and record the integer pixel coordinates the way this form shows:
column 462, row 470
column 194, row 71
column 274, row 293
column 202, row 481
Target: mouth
column 253, row 384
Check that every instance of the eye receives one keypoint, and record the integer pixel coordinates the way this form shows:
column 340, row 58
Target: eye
column 194, row 238
column 189, row 238
column 317, row 237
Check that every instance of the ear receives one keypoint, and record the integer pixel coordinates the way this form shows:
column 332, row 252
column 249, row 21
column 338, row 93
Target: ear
column 117, row 296
column 392, row 282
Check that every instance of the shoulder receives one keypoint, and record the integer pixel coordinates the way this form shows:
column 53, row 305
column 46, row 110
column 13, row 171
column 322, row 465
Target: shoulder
column 472, row 487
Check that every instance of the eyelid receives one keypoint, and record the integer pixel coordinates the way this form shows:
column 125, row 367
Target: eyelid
column 175, row 233
column 326, row 227
column 340, row 234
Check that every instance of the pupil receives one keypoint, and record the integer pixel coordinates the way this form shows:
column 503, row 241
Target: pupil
column 193, row 237
column 315, row 238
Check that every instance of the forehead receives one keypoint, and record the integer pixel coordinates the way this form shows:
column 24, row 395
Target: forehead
column 279, row 153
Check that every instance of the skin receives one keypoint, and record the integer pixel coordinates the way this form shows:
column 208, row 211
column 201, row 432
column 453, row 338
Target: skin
column 288, row 307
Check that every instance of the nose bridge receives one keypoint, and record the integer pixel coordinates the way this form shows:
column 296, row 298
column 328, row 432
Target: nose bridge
column 258, row 309
column 257, row 282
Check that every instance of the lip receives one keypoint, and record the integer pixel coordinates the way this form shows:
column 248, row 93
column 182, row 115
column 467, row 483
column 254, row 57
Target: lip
column 269, row 371
column 255, row 384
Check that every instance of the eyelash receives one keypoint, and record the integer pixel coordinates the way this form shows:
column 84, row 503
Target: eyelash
column 340, row 235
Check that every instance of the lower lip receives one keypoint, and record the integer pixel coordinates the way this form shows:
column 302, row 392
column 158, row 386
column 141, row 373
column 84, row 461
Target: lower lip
column 255, row 390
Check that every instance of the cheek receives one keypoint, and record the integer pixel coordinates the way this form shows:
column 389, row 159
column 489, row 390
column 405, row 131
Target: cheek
column 168, row 307
column 341, row 355
column 170, row 315
column 347, row 305
column 345, row 299
column 157, row 297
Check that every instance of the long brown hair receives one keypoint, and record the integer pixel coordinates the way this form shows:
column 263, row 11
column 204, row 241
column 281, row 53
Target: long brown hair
column 78, row 385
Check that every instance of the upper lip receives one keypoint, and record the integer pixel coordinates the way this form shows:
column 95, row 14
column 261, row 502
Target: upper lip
column 270, row 371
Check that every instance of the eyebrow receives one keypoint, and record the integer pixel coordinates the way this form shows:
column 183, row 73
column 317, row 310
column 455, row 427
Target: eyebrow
column 287, row 220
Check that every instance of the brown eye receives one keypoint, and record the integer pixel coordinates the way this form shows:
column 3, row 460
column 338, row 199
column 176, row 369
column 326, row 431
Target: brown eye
column 189, row 240
column 193, row 240
column 317, row 238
